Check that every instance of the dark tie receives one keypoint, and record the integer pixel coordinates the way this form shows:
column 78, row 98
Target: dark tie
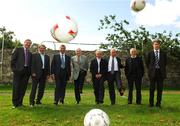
column 156, row 60
column 78, row 59
column 62, row 62
column 26, row 57
column 112, row 66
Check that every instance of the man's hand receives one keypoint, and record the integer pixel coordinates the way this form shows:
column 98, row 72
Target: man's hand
column 98, row 76
column 53, row 77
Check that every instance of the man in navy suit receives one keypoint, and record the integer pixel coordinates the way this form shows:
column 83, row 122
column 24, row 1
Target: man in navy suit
column 21, row 67
column 40, row 71
column 98, row 69
column 114, row 75
column 61, row 72
column 156, row 64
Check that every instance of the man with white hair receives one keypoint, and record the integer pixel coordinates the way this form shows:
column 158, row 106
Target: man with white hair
column 80, row 67
column 114, row 75
column 134, row 71
column 98, row 69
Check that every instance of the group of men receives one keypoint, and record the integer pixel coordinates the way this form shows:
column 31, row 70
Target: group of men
column 25, row 64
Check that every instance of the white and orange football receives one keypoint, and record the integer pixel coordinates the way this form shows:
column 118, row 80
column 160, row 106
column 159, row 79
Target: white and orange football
column 64, row 30
column 137, row 5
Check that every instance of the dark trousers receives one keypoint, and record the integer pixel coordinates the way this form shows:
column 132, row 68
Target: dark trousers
column 83, row 75
column 78, row 84
column 137, row 82
column 60, row 87
column 157, row 80
column 98, row 85
column 20, row 81
column 40, row 83
column 111, row 79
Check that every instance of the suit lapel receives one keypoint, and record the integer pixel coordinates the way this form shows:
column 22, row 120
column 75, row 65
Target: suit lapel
column 39, row 57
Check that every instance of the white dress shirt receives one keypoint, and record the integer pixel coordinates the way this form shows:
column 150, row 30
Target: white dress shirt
column 63, row 56
column 110, row 64
column 98, row 61
column 43, row 60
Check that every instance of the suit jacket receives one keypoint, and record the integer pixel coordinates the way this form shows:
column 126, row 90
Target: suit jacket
column 76, row 67
column 37, row 65
column 138, row 64
column 94, row 67
column 119, row 64
column 56, row 66
column 18, row 60
column 150, row 63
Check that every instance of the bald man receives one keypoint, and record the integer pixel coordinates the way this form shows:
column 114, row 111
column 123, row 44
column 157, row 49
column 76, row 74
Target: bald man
column 114, row 75
column 98, row 69
column 134, row 71
column 80, row 67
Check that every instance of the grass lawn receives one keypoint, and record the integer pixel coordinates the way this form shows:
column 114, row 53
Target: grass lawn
column 70, row 114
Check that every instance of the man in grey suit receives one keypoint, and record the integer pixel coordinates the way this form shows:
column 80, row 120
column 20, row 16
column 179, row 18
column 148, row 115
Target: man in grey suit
column 40, row 71
column 20, row 65
column 156, row 64
column 80, row 67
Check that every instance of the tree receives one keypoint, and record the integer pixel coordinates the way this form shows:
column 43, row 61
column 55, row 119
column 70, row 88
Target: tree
column 7, row 36
column 122, row 39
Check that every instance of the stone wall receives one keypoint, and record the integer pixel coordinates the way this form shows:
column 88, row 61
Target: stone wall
column 173, row 70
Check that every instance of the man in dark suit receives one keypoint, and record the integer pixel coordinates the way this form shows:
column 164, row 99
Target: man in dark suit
column 156, row 64
column 40, row 71
column 98, row 69
column 134, row 71
column 61, row 72
column 114, row 75
column 21, row 67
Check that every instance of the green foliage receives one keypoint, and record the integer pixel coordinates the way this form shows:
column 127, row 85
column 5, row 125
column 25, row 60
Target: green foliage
column 7, row 37
column 122, row 39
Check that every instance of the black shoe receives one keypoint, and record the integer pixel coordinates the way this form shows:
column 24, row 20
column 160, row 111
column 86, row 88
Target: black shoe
column 138, row 103
column 101, row 102
column 158, row 105
column 55, row 103
column 38, row 103
column 129, row 102
column 112, row 103
column 21, row 105
column 80, row 91
column 62, row 101
column 151, row 105
column 77, row 102
column 121, row 92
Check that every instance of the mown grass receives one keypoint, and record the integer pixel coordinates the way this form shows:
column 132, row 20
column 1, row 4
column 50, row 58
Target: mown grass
column 70, row 114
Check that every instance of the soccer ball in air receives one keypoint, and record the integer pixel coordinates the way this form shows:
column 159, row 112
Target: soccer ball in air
column 96, row 117
column 137, row 5
column 64, row 30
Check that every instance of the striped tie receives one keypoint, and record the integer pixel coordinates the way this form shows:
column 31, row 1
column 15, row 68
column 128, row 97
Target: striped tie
column 156, row 60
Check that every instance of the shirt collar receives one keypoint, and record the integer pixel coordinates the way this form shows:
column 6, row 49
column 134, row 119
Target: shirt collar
column 156, row 50
column 62, row 54
column 133, row 57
